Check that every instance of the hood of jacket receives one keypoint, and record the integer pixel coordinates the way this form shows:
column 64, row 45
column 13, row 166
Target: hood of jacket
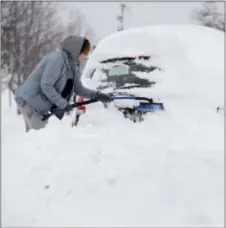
column 73, row 45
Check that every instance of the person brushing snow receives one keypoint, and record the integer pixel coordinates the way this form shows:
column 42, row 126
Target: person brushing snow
column 53, row 81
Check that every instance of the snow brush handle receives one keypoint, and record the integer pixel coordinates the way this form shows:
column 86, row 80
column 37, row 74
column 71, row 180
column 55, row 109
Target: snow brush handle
column 62, row 111
column 132, row 98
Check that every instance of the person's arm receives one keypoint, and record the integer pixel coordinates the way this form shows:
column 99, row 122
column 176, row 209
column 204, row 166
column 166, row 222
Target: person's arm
column 88, row 93
column 50, row 76
column 83, row 91
column 92, row 94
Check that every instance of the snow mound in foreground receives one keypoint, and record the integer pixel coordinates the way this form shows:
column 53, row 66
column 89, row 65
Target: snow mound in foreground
column 166, row 171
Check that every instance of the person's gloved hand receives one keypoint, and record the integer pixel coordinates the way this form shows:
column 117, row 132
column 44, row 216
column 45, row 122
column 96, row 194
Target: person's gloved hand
column 103, row 97
column 59, row 113
column 68, row 108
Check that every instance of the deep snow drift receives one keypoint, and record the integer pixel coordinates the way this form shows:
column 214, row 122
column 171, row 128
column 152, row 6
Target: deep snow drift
column 165, row 171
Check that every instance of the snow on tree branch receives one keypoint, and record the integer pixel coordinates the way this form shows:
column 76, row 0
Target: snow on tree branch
column 210, row 16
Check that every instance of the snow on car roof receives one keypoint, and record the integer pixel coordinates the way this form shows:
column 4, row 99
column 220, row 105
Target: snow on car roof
column 156, row 40
column 178, row 43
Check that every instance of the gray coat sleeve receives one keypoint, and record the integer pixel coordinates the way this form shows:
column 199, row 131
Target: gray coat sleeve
column 50, row 75
column 79, row 89
column 83, row 91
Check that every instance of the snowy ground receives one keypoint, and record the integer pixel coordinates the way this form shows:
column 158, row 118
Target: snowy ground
column 165, row 171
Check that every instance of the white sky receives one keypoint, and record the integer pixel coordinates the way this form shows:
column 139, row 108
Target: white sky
column 101, row 16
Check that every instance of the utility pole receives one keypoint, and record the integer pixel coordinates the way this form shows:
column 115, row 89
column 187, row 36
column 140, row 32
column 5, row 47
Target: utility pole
column 120, row 18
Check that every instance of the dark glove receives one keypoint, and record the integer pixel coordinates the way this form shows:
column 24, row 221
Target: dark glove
column 103, row 97
column 68, row 108
column 59, row 113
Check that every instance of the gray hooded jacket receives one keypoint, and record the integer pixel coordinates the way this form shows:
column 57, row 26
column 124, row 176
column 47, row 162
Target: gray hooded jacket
column 43, row 87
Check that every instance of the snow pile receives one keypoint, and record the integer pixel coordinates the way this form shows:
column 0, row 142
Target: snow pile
column 138, row 42
column 165, row 171
column 194, row 41
column 162, row 47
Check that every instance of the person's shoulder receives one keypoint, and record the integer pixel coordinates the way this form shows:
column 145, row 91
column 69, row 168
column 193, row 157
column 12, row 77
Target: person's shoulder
column 55, row 55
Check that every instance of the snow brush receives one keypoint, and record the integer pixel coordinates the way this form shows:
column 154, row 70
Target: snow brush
column 136, row 110
column 150, row 104
column 143, row 106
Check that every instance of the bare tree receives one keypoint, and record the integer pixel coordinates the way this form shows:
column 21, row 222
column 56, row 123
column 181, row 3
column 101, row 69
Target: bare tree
column 5, row 77
column 75, row 24
column 210, row 16
column 29, row 30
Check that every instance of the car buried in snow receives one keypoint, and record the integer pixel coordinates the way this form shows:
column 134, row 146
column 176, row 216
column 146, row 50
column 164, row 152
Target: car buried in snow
column 120, row 76
column 134, row 63
column 129, row 59
column 158, row 61
column 123, row 73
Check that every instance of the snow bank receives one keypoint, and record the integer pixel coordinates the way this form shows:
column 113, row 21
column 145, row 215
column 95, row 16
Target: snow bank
column 166, row 171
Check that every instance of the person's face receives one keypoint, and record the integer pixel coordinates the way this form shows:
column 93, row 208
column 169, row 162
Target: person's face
column 83, row 56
